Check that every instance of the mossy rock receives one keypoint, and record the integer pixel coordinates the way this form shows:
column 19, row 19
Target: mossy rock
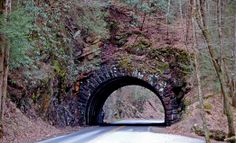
column 140, row 47
column 121, row 40
column 177, row 59
column 126, row 63
column 179, row 55
column 214, row 134
column 156, row 60
column 187, row 102
column 58, row 68
column 208, row 106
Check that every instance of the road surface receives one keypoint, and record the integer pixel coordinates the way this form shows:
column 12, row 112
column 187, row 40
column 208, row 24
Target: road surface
column 139, row 122
column 120, row 134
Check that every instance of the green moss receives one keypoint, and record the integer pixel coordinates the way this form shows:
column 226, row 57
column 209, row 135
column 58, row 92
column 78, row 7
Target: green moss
column 140, row 47
column 208, row 106
column 126, row 63
column 156, row 60
column 58, row 68
column 187, row 102
column 120, row 40
column 163, row 67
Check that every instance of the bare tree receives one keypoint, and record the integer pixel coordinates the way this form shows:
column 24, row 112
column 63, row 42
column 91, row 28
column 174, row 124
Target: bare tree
column 181, row 18
column 200, row 95
column 167, row 19
column 219, row 24
column 234, row 55
column 200, row 15
column 235, row 41
column 180, row 9
column 220, row 35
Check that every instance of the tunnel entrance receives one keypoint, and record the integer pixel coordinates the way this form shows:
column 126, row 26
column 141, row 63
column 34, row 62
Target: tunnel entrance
column 95, row 108
column 132, row 104
column 102, row 83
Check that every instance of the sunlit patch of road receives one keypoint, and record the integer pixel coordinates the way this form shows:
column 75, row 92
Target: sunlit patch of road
column 139, row 122
column 142, row 137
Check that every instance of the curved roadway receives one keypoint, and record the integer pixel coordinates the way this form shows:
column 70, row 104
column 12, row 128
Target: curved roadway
column 120, row 134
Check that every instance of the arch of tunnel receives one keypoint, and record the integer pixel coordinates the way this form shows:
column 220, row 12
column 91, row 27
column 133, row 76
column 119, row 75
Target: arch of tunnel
column 102, row 83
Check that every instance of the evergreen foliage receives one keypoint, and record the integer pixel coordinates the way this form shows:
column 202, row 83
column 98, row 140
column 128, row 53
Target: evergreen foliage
column 18, row 30
column 92, row 17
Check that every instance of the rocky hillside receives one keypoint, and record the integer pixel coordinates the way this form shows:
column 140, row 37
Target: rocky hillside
column 63, row 41
column 67, row 53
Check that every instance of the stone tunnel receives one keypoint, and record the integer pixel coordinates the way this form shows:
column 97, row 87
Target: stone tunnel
column 100, row 84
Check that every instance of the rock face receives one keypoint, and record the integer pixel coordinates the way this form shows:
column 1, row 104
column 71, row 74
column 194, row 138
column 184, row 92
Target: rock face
column 166, row 77
column 168, row 81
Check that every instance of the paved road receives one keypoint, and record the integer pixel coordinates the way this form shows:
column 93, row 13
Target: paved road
column 137, row 121
column 120, row 134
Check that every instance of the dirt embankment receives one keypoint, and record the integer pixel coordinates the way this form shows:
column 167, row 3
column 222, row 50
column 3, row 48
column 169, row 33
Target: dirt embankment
column 216, row 120
column 21, row 129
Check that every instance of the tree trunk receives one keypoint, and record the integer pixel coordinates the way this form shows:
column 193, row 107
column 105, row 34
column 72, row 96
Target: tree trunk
column 167, row 19
column 234, row 54
column 181, row 10
column 2, row 47
column 219, row 24
column 4, row 54
column 5, row 9
column 221, row 61
column 201, row 20
column 198, row 75
column 1, row 84
column 200, row 95
column 143, row 22
column 181, row 19
column 234, row 100
column 234, row 51
column 2, row 3
column 188, row 24
column 200, row 98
